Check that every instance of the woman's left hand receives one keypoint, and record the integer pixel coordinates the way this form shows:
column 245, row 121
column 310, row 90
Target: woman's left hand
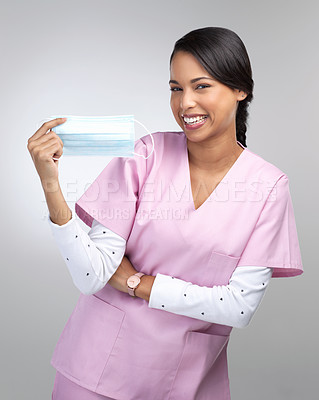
column 120, row 276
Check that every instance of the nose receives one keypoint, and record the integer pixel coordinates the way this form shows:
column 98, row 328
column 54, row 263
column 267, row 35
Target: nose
column 187, row 100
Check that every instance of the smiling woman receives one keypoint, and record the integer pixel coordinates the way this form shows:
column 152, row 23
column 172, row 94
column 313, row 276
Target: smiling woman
column 211, row 83
column 210, row 94
column 163, row 335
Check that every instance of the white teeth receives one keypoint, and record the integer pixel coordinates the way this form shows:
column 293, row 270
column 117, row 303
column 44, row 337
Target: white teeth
column 193, row 120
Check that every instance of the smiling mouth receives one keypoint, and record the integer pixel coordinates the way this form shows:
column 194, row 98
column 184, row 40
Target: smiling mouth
column 194, row 120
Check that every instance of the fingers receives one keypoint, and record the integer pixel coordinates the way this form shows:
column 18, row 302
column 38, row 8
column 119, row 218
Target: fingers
column 46, row 151
column 45, row 127
column 32, row 144
column 38, row 148
column 55, row 152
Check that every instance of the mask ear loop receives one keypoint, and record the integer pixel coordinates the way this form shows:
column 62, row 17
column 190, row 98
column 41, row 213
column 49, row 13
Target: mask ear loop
column 141, row 155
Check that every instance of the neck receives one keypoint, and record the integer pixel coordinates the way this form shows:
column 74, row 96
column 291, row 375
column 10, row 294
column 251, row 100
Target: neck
column 215, row 154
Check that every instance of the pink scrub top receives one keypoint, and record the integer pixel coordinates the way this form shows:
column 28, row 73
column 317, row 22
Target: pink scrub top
column 117, row 345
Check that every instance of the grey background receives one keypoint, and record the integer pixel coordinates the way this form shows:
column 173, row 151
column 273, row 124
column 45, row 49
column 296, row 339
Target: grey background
column 112, row 57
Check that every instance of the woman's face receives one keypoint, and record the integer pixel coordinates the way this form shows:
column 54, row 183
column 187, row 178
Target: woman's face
column 213, row 104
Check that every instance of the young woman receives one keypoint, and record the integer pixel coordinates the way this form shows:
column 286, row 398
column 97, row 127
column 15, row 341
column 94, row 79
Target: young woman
column 203, row 221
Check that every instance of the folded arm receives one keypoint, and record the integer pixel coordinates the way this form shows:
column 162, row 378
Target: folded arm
column 92, row 259
column 233, row 304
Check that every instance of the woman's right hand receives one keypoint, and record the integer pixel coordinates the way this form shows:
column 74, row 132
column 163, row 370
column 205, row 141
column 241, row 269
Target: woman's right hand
column 44, row 145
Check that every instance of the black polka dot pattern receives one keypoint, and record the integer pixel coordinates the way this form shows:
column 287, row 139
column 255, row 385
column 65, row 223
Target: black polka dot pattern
column 113, row 252
column 241, row 312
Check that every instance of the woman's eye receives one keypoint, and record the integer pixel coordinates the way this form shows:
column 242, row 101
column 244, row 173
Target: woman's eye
column 175, row 89
column 204, row 86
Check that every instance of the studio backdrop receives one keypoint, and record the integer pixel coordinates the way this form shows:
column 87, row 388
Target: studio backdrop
column 103, row 57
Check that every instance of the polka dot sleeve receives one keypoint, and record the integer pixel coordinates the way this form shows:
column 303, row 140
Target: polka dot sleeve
column 91, row 258
column 233, row 304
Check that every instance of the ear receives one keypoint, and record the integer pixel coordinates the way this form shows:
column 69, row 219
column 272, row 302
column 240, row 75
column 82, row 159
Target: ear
column 241, row 95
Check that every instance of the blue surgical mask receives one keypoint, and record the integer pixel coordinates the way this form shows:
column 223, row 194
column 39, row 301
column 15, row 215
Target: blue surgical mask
column 98, row 136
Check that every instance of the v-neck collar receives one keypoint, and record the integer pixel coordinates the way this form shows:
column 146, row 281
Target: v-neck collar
column 226, row 176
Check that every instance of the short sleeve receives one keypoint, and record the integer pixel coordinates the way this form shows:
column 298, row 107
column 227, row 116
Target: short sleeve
column 274, row 240
column 112, row 198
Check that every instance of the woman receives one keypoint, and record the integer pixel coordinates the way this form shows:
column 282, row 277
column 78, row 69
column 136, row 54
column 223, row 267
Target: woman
column 205, row 221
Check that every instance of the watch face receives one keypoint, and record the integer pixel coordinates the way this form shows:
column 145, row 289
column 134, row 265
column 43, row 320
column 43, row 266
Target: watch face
column 133, row 281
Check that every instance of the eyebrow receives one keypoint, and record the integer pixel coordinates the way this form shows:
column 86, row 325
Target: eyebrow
column 193, row 80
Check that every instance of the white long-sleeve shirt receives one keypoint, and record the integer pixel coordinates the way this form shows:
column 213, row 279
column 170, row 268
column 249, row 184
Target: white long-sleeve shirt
column 92, row 258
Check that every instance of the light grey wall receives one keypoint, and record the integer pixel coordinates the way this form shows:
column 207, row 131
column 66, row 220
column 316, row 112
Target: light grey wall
column 112, row 57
